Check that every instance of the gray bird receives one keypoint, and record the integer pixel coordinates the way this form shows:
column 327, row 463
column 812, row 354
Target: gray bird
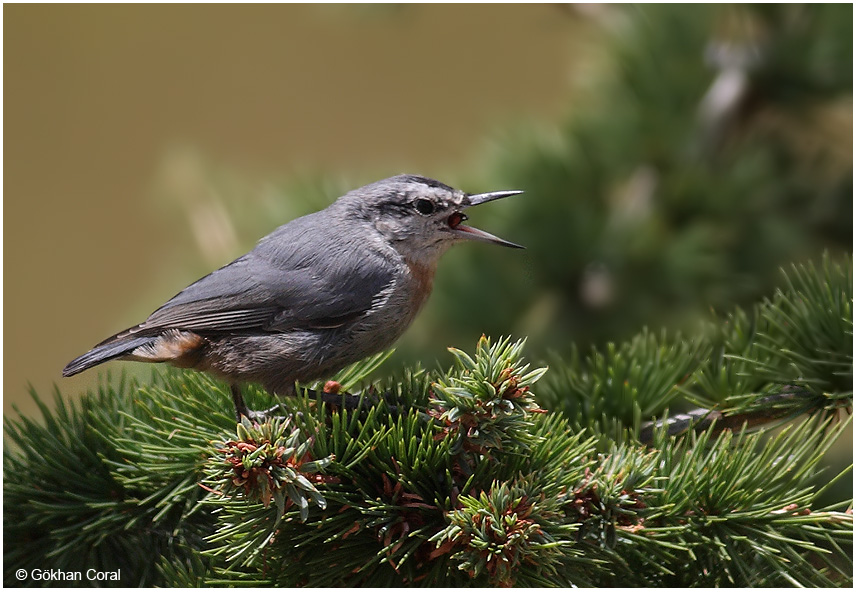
column 318, row 293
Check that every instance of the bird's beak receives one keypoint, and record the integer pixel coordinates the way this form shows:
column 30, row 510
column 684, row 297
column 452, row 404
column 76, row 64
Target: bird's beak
column 481, row 198
column 468, row 232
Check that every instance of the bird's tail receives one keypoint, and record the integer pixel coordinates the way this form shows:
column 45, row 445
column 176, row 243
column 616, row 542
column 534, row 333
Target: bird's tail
column 105, row 352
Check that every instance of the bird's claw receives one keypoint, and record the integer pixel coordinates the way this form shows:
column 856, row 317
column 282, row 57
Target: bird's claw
column 260, row 417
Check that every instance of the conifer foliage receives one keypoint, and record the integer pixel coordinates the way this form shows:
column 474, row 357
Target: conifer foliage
column 492, row 472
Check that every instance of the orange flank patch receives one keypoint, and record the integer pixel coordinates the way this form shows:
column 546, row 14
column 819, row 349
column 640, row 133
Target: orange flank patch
column 180, row 348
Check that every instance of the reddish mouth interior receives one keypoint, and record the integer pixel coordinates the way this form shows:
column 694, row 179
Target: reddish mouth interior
column 455, row 219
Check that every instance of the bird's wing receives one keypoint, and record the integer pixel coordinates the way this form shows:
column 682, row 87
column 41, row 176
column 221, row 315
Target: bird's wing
column 301, row 276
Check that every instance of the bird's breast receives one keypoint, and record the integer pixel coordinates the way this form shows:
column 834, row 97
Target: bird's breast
column 421, row 280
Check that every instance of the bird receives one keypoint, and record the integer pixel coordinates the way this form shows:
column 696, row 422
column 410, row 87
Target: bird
column 319, row 293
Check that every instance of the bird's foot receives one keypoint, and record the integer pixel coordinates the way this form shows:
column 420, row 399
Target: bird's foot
column 262, row 416
column 241, row 409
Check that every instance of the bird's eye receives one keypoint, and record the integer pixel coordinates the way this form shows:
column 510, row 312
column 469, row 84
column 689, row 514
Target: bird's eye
column 424, row 206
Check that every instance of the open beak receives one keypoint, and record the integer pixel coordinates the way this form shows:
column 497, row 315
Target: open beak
column 468, row 232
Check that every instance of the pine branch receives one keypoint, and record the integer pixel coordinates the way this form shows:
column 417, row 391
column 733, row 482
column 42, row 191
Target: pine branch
column 793, row 355
column 459, row 477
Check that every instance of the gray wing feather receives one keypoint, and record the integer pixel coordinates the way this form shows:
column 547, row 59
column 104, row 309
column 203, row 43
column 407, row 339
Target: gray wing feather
column 301, row 276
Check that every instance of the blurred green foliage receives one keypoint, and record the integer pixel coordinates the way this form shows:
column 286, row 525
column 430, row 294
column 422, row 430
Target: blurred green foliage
column 713, row 148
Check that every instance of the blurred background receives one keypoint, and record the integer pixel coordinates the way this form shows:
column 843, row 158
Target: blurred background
column 673, row 158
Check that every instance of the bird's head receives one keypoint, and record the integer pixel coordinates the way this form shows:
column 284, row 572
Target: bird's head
column 420, row 217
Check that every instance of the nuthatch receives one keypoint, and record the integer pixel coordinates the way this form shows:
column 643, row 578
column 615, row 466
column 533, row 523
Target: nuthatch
column 318, row 293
